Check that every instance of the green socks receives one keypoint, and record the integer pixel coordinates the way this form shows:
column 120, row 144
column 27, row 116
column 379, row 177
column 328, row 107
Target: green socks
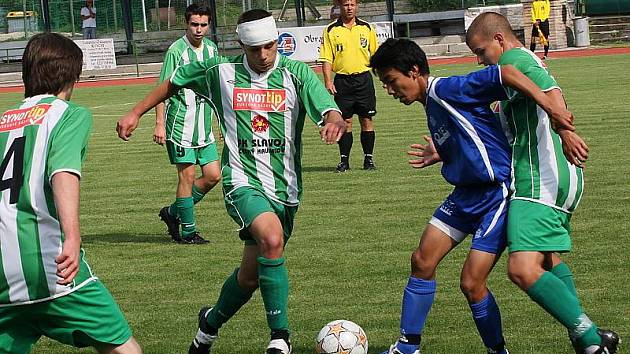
column 563, row 273
column 231, row 299
column 185, row 208
column 197, row 194
column 273, row 280
column 554, row 296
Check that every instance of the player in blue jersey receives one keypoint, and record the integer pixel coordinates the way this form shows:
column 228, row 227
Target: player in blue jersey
column 475, row 155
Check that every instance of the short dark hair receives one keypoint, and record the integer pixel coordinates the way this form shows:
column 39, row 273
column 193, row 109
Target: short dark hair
column 487, row 24
column 51, row 62
column 197, row 9
column 252, row 15
column 400, row 54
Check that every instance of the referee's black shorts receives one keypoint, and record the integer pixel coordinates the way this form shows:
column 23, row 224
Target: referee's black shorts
column 544, row 28
column 355, row 95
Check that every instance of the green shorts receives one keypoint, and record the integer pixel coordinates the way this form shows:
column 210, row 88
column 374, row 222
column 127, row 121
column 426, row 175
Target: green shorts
column 196, row 156
column 537, row 227
column 244, row 204
column 87, row 317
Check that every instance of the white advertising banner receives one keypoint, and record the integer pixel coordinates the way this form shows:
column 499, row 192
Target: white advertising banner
column 97, row 53
column 302, row 43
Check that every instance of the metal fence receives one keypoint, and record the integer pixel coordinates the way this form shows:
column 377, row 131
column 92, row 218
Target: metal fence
column 160, row 15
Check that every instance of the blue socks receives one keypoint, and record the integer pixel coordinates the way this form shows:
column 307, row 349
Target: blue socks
column 417, row 301
column 488, row 320
column 418, row 298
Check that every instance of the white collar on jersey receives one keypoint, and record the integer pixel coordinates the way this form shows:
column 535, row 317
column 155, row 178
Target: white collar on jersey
column 203, row 44
column 38, row 97
column 254, row 74
column 430, row 83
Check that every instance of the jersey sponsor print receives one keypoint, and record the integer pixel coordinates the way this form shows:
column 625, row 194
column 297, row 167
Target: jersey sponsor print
column 261, row 117
column 39, row 138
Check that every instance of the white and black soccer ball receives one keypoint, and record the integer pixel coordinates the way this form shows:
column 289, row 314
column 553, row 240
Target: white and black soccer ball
column 341, row 337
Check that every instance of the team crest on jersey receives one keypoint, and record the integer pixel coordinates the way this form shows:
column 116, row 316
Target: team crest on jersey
column 262, row 100
column 364, row 42
column 19, row 118
column 260, row 124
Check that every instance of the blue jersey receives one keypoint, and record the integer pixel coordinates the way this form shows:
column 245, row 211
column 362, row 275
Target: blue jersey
column 465, row 131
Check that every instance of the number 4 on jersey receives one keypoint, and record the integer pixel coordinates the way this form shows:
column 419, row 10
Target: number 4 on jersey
column 15, row 152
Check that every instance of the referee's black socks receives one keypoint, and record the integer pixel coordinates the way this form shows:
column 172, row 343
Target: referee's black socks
column 367, row 142
column 345, row 145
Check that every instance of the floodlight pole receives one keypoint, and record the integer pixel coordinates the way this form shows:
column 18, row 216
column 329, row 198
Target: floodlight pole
column 390, row 10
column 126, row 12
column 72, row 18
column 24, row 18
column 46, row 15
column 213, row 20
column 299, row 12
column 144, row 16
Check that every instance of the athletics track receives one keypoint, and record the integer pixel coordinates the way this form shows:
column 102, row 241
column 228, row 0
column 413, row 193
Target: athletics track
column 571, row 53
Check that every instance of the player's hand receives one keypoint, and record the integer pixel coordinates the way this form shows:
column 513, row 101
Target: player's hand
column 126, row 125
column 537, row 23
column 427, row 154
column 334, row 128
column 68, row 262
column 562, row 119
column 159, row 134
column 331, row 88
column 573, row 147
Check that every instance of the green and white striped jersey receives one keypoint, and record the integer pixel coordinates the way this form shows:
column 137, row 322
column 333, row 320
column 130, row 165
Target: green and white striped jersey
column 261, row 117
column 540, row 171
column 188, row 116
column 38, row 138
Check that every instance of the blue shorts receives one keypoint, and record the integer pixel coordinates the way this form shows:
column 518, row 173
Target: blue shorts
column 480, row 210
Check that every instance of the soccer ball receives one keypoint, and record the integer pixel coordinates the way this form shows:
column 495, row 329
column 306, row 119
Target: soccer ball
column 341, row 337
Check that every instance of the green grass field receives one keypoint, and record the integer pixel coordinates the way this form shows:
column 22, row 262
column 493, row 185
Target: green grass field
column 349, row 254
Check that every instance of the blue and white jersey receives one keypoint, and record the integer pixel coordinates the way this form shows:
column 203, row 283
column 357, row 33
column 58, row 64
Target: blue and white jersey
column 465, row 131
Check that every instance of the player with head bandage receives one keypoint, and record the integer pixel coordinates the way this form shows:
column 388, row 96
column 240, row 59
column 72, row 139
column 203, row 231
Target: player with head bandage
column 261, row 99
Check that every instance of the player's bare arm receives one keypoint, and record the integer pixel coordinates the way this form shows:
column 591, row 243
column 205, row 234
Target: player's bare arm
column 159, row 132
column 328, row 78
column 573, row 146
column 129, row 122
column 65, row 187
column 334, row 127
column 426, row 153
column 512, row 77
column 556, row 96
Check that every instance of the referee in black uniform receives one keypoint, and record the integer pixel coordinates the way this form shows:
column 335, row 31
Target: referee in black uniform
column 348, row 45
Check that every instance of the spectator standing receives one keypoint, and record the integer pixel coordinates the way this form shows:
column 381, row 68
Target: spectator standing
column 88, row 15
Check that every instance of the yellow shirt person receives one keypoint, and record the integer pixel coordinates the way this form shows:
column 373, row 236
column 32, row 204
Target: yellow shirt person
column 541, row 10
column 348, row 49
column 348, row 45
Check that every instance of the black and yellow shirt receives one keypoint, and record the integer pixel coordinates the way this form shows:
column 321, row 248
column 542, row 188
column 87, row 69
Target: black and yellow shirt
column 540, row 10
column 348, row 49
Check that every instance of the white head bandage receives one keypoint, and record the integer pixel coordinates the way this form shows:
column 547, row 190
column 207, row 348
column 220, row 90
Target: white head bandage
column 258, row 32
